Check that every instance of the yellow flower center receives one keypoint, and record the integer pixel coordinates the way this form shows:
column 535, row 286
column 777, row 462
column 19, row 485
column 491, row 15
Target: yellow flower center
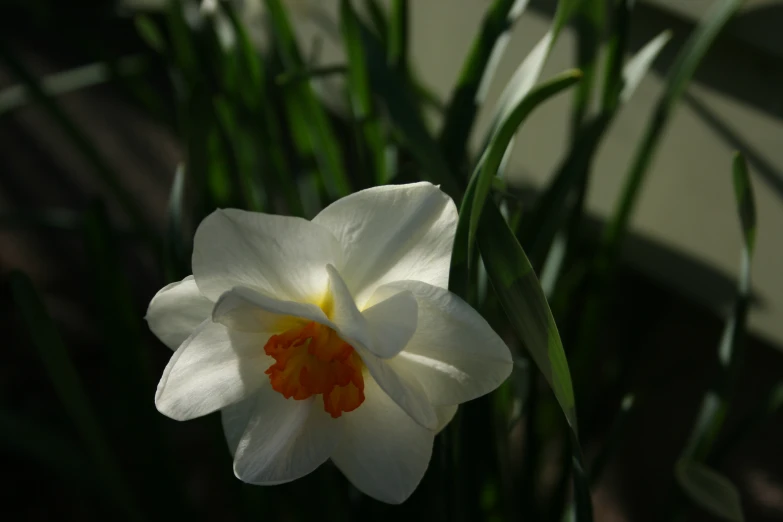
column 312, row 359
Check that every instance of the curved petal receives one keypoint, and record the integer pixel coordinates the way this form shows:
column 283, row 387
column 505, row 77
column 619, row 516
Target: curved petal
column 235, row 419
column 351, row 325
column 279, row 256
column 245, row 310
column 392, row 319
column 445, row 415
column 454, row 354
column 213, row 368
column 384, row 453
column 285, row 439
column 176, row 311
column 392, row 233
column 341, row 309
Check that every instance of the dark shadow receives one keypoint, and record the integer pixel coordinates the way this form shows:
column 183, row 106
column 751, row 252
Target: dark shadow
column 756, row 75
column 771, row 175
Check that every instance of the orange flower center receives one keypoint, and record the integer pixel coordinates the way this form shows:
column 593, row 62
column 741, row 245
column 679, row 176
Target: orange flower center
column 312, row 359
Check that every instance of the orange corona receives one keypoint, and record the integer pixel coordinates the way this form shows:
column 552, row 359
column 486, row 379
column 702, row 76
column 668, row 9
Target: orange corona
column 312, row 359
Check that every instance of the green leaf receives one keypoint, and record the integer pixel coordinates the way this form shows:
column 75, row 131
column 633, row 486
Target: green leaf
column 709, row 489
column 746, row 207
column 405, row 116
column 307, row 111
column 522, row 298
column 361, row 95
column 67, row 384
column 550, row 209
column 477, row 71
column 378, row 18
column 589, row 23
column 683, row 69
column 177, row 265
column 493, row 156
column 149, row 32
column 398, row 37
column 526, row 75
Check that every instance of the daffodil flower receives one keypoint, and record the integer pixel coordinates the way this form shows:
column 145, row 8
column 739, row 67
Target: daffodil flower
column 334, row 338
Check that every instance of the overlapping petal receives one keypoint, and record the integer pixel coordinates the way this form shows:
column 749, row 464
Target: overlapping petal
column 212, row 369
column 279, row 256
column 454, row 354
column 176, row 311
column 392, row 233
column 352, row 326
column 284, row 439
column 245, row 310
column 383, row 452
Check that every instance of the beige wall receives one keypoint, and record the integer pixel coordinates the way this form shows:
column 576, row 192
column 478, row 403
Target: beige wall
column 685, row 228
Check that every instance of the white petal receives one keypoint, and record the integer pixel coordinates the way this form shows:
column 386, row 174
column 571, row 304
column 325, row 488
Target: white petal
column 392, row 233
column 353, row 328
column 246, row 310
column 383, row 452
column 392, row 321
column 445, row 415
column 279, row 256
column 349, row 322
column 213, row 368
column 285, row 439
column 454, row 354
column 403, row 389
column 176, row 311
column 235, row 418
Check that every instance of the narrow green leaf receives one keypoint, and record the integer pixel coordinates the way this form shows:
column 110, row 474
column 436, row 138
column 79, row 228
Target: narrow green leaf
column 524, row 302
column 589, row 21
column 477, row 71
column 177, row 265
column 526, row 75
column 398, row 37
column 551, row 207
column 717, row 401
column 746, row 207
column 361, row 95
column 710, row 490
column 67, row 384
column 378, row 18
column 490, row 161
column 304, row 106
column 405, row 116
column 679, row 77
column 100, row 166
column 149, row 32
column 288, row 77
column 522, row 298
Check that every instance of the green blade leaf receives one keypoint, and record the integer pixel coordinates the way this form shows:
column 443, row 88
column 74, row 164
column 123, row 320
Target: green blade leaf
column 710, row 490
column 405, row 116
column 398, row 37
column 679, row 77
column 490, row 162
column 526, row 75
column 361, row 94
column 524, row 302
column 305, row 108
column 477, row 71
column 522, row 298
column 746, row 207
column 67, row 384
column 589, row 23
column 550, row 209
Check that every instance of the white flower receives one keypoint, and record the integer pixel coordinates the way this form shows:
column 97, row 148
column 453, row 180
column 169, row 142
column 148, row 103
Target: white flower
column 331, row 338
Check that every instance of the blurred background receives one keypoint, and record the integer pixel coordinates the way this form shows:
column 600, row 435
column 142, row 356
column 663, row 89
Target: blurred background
column 99, row 114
